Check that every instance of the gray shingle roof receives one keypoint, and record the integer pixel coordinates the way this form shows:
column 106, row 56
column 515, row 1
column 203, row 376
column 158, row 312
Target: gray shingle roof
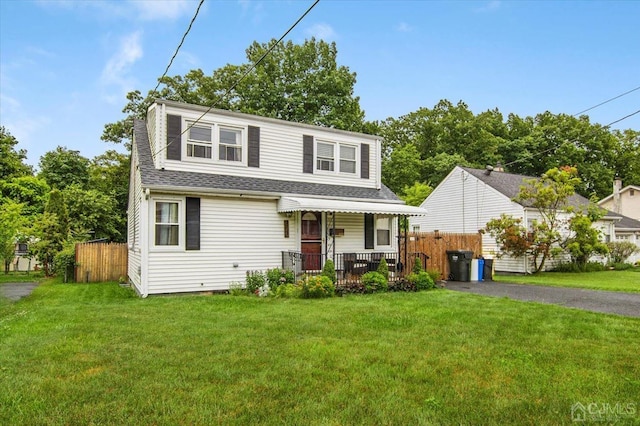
column 627, row 223
column 193, row 181
column 509, row 184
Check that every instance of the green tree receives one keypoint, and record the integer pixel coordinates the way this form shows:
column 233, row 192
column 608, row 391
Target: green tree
column 12, row 161
column 403, row 168
column 415, row 194
column 109, row 175
column 93, row 214
column 11, row 222
column 584, row 240
column 63, row 167
column 51, row 231
column 28, row 190
column 295, row 82
column 549, row 196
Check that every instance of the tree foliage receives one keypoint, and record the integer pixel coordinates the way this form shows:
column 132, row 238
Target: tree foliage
column 584, row 239
column 295, row 82
column 11, row 222
column 12, row 161
column 51, row 231
column 63, row 167
column 93, row 214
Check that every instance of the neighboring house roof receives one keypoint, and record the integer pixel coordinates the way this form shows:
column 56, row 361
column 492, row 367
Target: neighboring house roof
column 509, row 185
column 626, row 223
column 208, row 182
column 625, row 189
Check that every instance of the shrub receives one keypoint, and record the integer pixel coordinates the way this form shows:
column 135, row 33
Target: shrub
column 402, row 285
column 64, row 261
column 417, row 266
column 277, row 277
column 255, row 280
column 383, row 269
column 316, row 287
column 594, row 267
column 434, row 274
column 288, row 291
column 421, row 280
column 622, row 266
column 329, row 270
column 374, row 282
column 350, row 287
column 566, row 267
column 619, row 251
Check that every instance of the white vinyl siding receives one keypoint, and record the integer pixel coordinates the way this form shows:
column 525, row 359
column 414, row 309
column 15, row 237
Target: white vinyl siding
column 280, row 151
column 134, row 222
column 243, row 232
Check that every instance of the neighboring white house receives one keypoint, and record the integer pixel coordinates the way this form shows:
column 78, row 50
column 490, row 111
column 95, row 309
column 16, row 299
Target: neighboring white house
column 215, row 194
column 625, row 203
column 468, row 198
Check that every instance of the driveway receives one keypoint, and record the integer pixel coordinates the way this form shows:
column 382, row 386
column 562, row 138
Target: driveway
column 16, row 291
column 611, row 302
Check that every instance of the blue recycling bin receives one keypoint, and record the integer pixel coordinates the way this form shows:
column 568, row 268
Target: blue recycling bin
column 480, row 269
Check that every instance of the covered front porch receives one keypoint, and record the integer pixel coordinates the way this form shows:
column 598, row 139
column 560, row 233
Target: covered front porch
column 355, row 235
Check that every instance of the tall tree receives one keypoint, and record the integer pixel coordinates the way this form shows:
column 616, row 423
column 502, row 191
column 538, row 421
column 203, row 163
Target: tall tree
column 63, row 167
column 93, row 214
column 12, row 161
column 28, row 190
column 109, row 175
column 295, row 82
column 51, row 231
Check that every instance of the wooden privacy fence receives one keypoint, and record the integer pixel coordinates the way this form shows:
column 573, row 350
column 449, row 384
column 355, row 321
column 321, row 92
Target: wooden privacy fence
column 435, row 245
column 99, row 262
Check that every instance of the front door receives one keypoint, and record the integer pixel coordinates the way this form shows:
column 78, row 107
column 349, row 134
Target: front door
column 311, row 240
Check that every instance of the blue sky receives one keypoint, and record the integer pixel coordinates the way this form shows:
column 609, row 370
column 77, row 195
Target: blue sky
column 66, row 65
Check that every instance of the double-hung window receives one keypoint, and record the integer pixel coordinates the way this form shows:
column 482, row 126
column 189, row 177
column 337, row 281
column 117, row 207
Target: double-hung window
column 167, row 223
column 325, row 156
column 199, row 140
column 383, row 230
column 230, row 144
column 347, row 159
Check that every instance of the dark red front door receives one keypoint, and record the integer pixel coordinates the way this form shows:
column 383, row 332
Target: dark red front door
column 311, row 237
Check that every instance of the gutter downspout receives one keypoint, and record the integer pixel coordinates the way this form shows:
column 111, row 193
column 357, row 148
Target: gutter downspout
column 526, row 224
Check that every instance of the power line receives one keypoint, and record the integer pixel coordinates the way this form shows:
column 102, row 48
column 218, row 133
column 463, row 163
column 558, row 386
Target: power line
column 233, row 86
column 623, row 118
column 607, row 101
column 184, row 36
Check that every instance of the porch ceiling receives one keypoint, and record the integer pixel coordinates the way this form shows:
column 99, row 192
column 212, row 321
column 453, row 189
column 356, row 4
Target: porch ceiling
column 294, row 204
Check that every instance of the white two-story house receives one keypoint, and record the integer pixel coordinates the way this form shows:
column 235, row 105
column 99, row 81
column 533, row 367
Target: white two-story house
column 215, row 194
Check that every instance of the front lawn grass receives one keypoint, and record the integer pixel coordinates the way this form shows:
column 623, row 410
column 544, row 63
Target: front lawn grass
column 20, row 277
column 627, row 281
column 96, row 354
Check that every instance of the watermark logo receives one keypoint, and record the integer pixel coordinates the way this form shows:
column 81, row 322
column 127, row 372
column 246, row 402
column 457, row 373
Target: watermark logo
column 602, row 411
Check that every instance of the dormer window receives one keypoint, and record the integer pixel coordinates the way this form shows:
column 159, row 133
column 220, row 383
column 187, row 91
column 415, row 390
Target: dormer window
column 326, row 157
column 199, row 142
column 230, row 144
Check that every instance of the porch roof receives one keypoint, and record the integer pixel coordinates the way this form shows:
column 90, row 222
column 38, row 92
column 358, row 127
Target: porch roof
column 294, row 204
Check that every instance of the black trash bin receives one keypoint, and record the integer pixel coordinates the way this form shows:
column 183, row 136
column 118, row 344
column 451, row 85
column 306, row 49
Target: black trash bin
column 488, row 270
column 459, row 265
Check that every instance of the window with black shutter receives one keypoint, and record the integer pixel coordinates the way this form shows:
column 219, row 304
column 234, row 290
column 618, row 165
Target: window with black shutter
column 193, row 224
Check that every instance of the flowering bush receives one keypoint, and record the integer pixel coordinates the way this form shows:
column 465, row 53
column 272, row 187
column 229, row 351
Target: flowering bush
column 263, row 291
column 255, row 280
column 316, row 287
column 288, row 291
column 277, row 277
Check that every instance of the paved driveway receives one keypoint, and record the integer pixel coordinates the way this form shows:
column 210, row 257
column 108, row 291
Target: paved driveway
column 15, row 291
column 612, row 302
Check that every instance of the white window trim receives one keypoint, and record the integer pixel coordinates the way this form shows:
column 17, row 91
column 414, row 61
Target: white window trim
column 215, row 142
column 391, row 231
column 336, row 158
column 152, row 224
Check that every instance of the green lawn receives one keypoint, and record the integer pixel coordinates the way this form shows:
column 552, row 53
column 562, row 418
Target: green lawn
column 628, row 280
column 96, row 354
column 20, row 277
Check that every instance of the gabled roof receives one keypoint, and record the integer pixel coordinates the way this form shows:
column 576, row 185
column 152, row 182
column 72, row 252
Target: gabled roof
column 193, row 182
column 626, row 223
column 625, row 189
column 509, row 185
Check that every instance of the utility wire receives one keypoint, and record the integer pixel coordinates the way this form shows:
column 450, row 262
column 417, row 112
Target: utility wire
column 607, row 101
column 623, row 118
column 233, row 86
column 184, row 36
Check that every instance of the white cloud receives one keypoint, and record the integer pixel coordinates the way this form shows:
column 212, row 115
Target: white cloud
column 160, row 10
column 403, row 27
column 322, row 31
column 116, row 71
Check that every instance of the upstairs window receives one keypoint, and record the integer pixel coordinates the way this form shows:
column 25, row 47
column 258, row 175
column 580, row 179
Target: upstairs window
column 347, row 159
column 230, row 147
column 199, row 141
column 325, row 156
